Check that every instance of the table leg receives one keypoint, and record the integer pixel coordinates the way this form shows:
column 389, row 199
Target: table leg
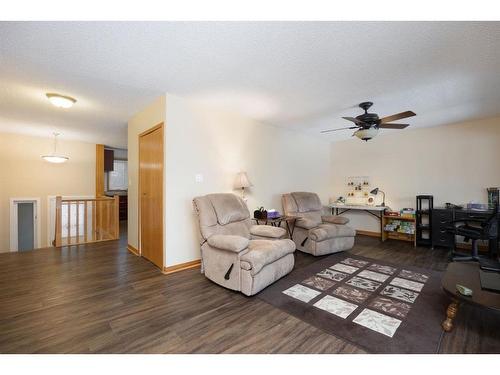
column 381, row 225
column 290, row 228
column 451, row 313
column 380, row 217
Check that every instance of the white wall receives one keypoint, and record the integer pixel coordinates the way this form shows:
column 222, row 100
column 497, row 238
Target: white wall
column 23, row 173
column 218, row 145
column 455, row 163
column 150, row 116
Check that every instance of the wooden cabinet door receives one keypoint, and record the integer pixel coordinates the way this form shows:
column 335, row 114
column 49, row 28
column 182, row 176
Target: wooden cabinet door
column 109, row 159
column 151, row 194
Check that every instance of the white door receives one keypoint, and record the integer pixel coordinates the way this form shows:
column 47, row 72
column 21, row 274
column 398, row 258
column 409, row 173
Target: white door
column 24, row 224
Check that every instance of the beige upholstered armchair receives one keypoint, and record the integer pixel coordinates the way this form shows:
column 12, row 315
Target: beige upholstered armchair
column 235, row 253
column 314, row 232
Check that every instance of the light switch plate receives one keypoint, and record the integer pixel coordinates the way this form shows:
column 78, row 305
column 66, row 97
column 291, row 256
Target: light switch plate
column 198, row 177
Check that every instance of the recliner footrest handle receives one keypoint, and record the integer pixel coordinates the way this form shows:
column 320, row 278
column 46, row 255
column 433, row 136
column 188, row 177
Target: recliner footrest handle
column 228, row 273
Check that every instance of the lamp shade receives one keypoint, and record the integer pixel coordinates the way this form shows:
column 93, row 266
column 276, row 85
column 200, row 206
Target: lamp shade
column 242, row 181
column 374, row 191
column 366, row 134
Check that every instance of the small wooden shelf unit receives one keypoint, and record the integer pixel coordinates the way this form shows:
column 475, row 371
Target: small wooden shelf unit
column 397, row 235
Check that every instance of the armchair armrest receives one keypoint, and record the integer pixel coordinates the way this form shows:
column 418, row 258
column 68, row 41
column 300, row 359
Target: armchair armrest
column 267, row 231
column 306, row 223
column 335, row 219
column 228, row 242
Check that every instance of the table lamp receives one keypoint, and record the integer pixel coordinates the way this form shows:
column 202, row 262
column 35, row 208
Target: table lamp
column 242, row 182
column 375, row 192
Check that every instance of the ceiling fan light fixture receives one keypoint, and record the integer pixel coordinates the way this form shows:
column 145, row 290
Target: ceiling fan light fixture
column 366, row 134
column 368, row 124
column 60, row 101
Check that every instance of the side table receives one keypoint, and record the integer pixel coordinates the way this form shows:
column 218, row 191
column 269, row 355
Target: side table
column 276, row 222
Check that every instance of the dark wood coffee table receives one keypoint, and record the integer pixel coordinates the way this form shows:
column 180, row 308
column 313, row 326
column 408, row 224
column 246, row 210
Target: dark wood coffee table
column 466, row 274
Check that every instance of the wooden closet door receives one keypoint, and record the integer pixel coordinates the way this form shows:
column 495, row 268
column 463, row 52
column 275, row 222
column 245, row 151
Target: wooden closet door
column 151, row 194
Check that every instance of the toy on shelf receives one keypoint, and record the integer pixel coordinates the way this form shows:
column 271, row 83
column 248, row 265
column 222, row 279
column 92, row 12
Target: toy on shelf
column 399, row 225
column 340, row 200
column 408, row 212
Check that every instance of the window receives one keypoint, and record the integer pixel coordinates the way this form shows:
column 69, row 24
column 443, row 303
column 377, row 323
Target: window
column 118, row 178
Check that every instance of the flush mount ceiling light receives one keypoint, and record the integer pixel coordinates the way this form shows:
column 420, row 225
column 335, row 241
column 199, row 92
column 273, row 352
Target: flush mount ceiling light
column 61, row 101
column 54, row 158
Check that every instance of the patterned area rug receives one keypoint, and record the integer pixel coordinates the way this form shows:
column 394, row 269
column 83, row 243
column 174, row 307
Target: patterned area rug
column 380, row 307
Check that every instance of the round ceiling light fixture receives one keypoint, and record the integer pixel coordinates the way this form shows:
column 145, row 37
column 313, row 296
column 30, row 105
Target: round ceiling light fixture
column 54, row 158
column 61, row 101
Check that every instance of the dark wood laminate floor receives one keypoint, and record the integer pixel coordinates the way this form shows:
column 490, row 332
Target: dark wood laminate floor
column 101, row 299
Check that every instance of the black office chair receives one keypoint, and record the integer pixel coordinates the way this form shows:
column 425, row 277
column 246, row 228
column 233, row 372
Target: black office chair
column 475, row 230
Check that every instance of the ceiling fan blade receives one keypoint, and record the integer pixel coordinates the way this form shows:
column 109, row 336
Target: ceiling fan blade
column 334, row 130
column 355, row 120
column 393, row 126
column 397, row 116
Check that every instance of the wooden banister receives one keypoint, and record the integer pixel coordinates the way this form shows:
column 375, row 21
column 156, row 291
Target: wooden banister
column 76, row 225
column 58, row 221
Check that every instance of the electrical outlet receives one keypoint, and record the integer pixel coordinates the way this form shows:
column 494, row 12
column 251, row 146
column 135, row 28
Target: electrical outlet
column 198, row 177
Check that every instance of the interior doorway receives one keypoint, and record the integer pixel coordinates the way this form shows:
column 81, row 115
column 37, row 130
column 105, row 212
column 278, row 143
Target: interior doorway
column 151, row 195
column 24, row 224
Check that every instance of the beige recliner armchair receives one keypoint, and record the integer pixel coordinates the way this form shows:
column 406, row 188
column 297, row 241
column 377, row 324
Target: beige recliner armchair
column 314, row 232
column 235, row 253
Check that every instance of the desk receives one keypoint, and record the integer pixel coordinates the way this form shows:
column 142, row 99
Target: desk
column 440, row 222
column 375, row 211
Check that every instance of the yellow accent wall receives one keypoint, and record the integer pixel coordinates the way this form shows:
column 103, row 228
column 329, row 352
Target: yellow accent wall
column 23, row 174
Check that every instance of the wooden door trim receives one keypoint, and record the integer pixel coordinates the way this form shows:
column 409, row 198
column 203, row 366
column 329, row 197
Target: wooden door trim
column 146, row 132
column 133, row 250
column 150, row 130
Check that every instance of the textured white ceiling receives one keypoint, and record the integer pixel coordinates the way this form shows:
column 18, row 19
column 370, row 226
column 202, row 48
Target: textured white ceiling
column 299, row 75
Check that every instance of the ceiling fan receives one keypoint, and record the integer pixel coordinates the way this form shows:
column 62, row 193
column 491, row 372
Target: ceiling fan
column 368, row 124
